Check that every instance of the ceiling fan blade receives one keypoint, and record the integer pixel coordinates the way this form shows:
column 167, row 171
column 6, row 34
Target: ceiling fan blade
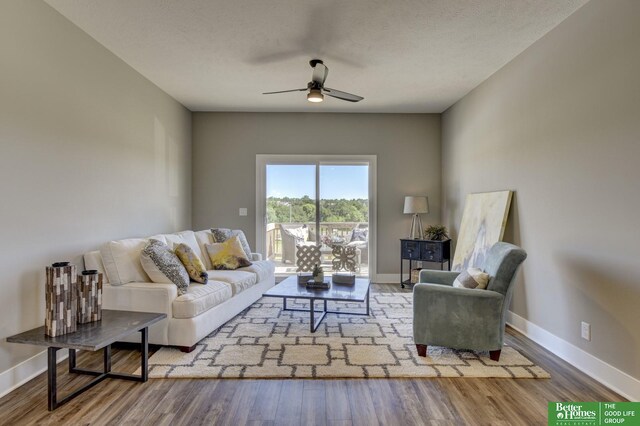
column 285, row 91
column 342, row 95
column 320, row 72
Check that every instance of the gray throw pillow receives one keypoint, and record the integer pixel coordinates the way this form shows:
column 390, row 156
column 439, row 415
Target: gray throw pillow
column 163, row 266
column 472, row 278
column 359, row 235
column 220, row 235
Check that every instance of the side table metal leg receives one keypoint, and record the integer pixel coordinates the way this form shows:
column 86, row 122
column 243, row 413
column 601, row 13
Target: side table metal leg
column 107, row 359
column 284, row 303
column 51, row 378
column 72, row 360
column 144, row 354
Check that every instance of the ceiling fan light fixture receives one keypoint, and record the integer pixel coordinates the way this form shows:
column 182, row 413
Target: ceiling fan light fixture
column 315, row 95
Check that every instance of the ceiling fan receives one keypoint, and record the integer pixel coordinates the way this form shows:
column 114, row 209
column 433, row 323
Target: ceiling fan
column 316, row 86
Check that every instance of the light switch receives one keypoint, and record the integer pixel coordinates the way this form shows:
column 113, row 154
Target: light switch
column 243, row 211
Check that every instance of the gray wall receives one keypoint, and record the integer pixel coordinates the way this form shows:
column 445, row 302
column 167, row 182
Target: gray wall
column 89, row 151
column 560, row 125
column 224, row 155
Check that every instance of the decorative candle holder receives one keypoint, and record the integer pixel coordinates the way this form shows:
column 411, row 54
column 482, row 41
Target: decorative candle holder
column 89, row 296
column 60, row 295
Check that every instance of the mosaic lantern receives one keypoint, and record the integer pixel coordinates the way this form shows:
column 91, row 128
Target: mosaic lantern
column 60, row 297
column 89, row 296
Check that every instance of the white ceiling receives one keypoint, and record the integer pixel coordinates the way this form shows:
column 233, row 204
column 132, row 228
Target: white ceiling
column 401, row 55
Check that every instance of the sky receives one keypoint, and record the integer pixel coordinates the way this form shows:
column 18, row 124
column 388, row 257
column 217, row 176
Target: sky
column 336, row 182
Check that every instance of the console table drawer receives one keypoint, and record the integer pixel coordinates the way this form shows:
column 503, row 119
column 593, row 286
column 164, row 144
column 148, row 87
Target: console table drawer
column 411, row 250
column 431, row 252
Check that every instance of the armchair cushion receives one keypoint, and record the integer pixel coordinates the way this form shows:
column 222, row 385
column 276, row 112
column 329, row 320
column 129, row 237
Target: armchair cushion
column 437, row 277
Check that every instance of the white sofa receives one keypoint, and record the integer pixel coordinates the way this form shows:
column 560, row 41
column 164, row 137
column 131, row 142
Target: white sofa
column 192, row 316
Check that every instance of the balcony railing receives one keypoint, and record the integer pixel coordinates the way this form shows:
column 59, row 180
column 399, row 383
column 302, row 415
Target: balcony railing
column 334, row 231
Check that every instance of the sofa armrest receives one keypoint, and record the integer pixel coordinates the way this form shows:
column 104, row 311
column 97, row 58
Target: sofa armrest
column 437, row 277
column 256, row 257
column 140, row 297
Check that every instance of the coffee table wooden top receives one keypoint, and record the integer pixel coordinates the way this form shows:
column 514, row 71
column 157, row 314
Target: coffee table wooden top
column 92, row 336
column 290, row 288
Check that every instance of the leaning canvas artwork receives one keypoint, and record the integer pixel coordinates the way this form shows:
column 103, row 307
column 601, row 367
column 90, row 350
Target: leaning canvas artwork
column 483, row 222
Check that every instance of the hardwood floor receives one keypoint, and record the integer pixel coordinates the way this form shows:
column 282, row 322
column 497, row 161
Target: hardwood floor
column 452, row 401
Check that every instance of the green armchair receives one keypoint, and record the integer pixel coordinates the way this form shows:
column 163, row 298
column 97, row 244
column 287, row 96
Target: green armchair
column 463, row 318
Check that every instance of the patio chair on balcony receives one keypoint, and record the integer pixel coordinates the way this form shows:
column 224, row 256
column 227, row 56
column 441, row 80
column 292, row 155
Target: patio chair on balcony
column 293, row 234
column 359, row 238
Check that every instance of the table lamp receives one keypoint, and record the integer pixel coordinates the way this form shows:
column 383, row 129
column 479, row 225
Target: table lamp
column 416, row 206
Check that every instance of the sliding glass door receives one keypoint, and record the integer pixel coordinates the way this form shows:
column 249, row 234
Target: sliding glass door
column 324, row 201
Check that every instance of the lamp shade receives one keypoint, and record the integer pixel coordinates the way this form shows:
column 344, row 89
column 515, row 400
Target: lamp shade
column 413, row 205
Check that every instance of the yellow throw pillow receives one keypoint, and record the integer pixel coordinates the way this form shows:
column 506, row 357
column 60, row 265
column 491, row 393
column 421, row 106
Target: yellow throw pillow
column 227, row 255
column 192, row 263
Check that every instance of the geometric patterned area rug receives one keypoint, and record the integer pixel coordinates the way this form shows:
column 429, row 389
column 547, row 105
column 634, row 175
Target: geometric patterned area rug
column 265, row 342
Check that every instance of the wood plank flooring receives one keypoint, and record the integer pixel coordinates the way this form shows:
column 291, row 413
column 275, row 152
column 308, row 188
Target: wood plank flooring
column 448, row 401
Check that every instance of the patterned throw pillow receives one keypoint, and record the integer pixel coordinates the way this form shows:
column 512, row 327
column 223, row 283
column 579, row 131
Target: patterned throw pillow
column 192, row 263
column 227, row 255
column 220, row 235
column 163, row 266
column 472, row 278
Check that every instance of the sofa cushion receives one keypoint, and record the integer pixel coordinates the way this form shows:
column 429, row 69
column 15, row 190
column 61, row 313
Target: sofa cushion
column 238, row 281
column 184, row 237
column 227, row 255
column 163, row 266
column 200, row 298
column 203, row 238
column 262, row 268
column 220, row 235
column 192, row 263
column 159, row 237
column 121, row 261
column 93, row 260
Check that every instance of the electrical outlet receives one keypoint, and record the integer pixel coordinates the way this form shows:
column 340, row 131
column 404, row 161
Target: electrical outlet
column 586, row 331
column 243, row 211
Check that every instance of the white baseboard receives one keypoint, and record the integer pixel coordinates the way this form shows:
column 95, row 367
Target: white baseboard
column 608, row 375
column 20, row 374
column 389, row 278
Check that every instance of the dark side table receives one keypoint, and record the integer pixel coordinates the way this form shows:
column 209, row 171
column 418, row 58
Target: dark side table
column 93, row 336
column 424, row 251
